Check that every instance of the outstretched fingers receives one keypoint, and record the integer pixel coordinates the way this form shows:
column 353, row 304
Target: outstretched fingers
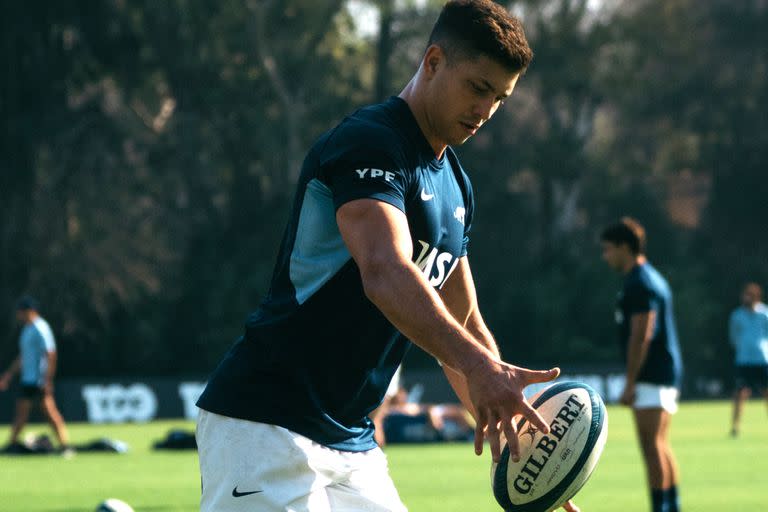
column 535, row 377
column 488, row 428
column 499, row 415
column 482, row 421
column 497, row 432
column 538, row 376
column 534, row 417
column 493, row 437
column 510, row 432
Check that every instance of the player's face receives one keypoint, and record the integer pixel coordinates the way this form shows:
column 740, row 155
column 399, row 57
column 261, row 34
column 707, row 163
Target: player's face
column 614, row 255
column 750, row 296
column 464, row 94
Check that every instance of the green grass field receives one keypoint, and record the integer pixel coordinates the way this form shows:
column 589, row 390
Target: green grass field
column 718, row 473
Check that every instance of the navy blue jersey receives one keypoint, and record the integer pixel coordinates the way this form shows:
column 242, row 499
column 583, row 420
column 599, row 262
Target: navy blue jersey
column 317, row 355
column 646, row 290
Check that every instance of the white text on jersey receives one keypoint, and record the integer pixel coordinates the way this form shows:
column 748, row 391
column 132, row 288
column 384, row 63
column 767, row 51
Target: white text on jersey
column 459, row 214
column 427, row 260
column 375, row 173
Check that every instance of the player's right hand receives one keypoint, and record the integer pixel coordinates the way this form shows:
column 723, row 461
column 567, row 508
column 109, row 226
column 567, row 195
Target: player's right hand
column 496, row 392
column 4, row 381
column 628, row 395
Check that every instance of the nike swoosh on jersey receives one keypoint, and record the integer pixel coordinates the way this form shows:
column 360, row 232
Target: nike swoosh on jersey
column 237, row 494
column 425, row 196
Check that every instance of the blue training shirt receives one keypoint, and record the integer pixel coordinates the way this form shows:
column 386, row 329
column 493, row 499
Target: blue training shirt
column 748, row 331
column 646, row 290
column 317, row 355
column 35, row 341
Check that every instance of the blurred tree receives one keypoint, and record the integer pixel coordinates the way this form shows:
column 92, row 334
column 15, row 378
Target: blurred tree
column 281, row 74
column 149, row 166
column 689, row 87
column 79, row 207
column 149, row 152
column 541, row 283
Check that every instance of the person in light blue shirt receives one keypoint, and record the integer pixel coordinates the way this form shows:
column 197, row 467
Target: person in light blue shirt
column 36, row 366
column 748, row 333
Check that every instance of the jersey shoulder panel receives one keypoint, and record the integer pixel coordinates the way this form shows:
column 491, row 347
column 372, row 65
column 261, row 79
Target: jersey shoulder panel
column 369, row 155
column 638, row 293
column 44, row 332
column 370, row 137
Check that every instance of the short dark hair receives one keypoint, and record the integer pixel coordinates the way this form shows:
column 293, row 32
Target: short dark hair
column 482, row 27
column 27, row 302
column 626, row 231
column 756, row 286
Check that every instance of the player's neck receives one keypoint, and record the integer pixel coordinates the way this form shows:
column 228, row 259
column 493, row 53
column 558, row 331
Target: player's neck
column 631, row 263
column 411, row 95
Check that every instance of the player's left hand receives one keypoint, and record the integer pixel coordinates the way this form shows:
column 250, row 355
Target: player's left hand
column 48, row 387
column 570, row 506
column 628, row 395
column 496, row 392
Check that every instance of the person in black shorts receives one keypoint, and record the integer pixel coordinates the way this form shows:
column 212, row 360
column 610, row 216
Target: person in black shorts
column 748, row 333
column 36, row 365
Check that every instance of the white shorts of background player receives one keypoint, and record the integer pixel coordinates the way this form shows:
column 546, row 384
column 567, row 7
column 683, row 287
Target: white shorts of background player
column 654, row 396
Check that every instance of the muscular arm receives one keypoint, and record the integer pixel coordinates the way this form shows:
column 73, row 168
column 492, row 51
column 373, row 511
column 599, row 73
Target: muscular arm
column 52, row 360
column 12, row 370
column 640, row 334
column 733, row 331
column 459, row 296
column 379, row 241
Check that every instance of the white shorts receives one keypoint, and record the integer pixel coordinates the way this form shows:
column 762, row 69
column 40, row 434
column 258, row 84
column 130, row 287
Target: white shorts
column 653, row 396
column 394, row 384
column 248, row 466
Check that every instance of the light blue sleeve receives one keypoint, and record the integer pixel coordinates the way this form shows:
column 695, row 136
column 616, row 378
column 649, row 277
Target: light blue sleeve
column 46, row 337
column 765, row 324
column 733, row 328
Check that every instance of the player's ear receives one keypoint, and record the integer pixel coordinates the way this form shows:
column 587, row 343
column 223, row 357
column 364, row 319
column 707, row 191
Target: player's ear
column 434, row 57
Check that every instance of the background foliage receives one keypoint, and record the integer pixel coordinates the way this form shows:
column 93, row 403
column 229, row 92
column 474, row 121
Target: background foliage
column 149, row 150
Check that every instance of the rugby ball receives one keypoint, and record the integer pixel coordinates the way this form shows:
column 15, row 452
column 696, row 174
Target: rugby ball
column 113, row 505
column 553, row 467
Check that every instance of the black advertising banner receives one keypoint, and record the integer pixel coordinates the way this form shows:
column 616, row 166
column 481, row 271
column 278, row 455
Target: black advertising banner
column 117, row 401
column 145, row 399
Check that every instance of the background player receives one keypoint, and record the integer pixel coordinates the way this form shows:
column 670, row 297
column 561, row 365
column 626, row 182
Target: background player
column 375, row 252
column 648, row 340
column 36, row 363
column 447, row 422
column 748, row 333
